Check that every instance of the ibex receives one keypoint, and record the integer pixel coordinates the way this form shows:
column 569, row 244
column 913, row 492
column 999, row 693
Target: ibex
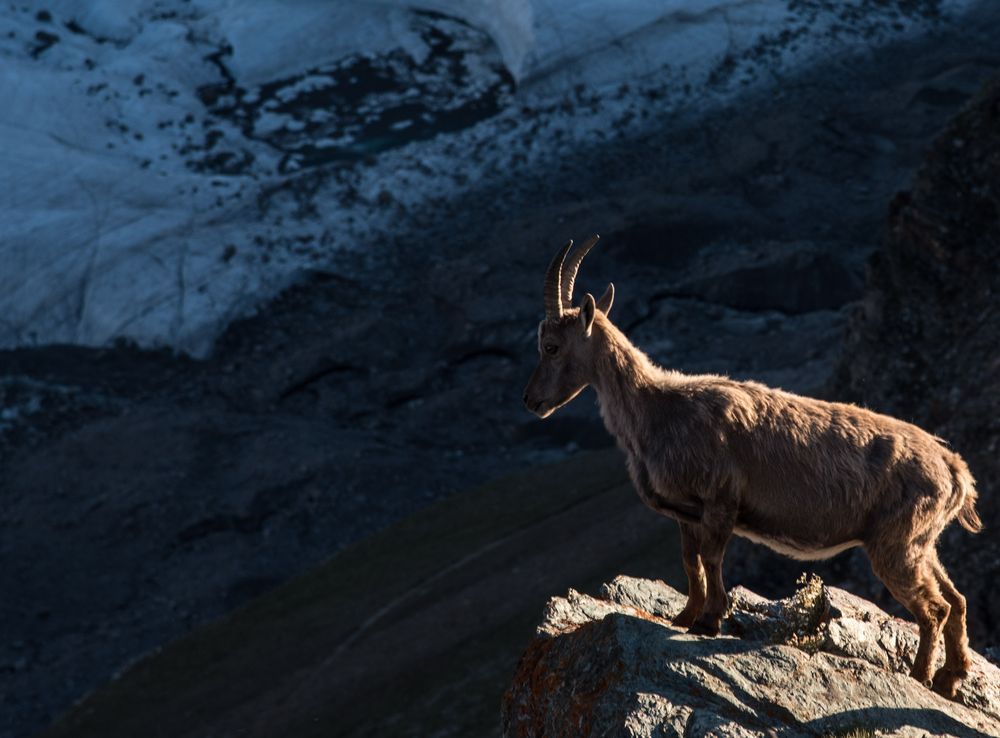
column 805, row 477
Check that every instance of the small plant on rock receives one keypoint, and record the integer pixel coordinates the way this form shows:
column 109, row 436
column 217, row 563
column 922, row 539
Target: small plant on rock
column 807, row 614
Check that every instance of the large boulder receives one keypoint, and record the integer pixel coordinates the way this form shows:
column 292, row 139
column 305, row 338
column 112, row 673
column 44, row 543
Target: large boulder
column 822, row 662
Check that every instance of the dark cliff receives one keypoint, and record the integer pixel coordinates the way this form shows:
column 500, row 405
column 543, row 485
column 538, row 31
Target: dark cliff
column 925, row 342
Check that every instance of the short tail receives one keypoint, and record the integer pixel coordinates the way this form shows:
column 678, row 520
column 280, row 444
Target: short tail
column 965, row 485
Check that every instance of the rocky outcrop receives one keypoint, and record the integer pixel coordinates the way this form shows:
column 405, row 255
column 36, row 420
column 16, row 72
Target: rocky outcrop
column 822, row 662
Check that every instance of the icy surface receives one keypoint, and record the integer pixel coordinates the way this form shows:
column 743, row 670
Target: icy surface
column 167, row 166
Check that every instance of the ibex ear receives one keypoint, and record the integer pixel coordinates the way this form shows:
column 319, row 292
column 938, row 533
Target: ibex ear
column 604, row 304
column 587, row 309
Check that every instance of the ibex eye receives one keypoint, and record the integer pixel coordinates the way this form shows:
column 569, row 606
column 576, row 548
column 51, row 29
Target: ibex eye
column 551, row 349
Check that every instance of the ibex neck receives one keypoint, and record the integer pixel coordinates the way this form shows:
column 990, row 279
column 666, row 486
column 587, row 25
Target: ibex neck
column 624, row 374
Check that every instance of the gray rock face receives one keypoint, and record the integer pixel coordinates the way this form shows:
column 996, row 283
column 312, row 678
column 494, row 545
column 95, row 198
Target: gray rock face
column 822, row 662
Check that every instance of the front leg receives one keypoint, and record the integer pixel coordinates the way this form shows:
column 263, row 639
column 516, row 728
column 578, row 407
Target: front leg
column 688, row 520
column 716, row 529
column 690, row 547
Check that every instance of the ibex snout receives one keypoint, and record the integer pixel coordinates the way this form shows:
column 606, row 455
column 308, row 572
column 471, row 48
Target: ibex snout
column 528, row 402
column 535, row 404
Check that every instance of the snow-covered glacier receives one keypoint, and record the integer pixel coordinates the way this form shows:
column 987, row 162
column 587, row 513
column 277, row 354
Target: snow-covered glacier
column 168, row 165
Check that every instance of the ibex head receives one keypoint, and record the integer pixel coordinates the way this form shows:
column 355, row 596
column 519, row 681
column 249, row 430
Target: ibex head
column 566, row 353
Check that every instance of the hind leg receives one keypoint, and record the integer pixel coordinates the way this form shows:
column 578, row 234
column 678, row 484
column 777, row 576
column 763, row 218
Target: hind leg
column 956, row 639
column 909, row 575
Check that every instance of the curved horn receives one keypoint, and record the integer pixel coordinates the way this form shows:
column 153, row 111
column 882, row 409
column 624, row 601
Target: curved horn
column 553, row 278
column 569, row 271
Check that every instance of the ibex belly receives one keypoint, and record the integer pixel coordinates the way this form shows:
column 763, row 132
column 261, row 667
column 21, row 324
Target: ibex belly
column 796, row 549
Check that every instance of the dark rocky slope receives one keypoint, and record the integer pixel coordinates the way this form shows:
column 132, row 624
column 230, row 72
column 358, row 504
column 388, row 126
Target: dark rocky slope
column 412, row 632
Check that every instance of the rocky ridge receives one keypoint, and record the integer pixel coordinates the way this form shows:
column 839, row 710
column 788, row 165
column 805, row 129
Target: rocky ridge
column 822, row 662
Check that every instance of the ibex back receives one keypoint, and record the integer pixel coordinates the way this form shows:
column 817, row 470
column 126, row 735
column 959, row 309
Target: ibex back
column 805, row 477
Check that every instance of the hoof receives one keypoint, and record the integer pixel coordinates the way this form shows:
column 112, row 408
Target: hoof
column 924, row 677
column 946, row 682
column 683, row 619
column 703, row 627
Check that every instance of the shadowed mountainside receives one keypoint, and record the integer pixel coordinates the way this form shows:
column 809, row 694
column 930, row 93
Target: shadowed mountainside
column 412, row 632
